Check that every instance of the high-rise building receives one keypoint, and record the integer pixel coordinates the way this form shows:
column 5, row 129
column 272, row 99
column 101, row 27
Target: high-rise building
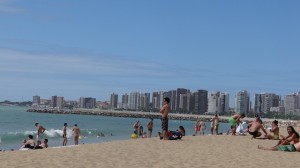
column 242, row 102
column 178, row 92
column 87, row 102
column 224, row 103
column 125, row 101
column 134, row 100
column 157, row 98
column 201, row 102
column 57, row 101
column 145, row 101
column 218, row 102
column 292, row 104
column 114, row 101
column 36, row 100
column 264, row 101
column 172, row 96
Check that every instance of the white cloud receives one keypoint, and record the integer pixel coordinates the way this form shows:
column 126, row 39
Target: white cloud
column 44, row 64
column 7, row 7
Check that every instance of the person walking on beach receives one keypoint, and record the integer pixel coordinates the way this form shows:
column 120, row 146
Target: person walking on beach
column 203, row 127
column 150, row 127
column 216, row 124
column 197, row 127
column 76, row 132
column 65, row 139
column 164, row 118
column 234, row 120
column 40, row 131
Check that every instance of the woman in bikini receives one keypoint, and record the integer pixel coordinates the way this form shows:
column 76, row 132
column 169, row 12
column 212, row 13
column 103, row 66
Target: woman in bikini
column 274, row 130
column 292, row 138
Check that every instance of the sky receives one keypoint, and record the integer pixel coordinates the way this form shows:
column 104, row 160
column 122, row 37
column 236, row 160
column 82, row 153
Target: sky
column 95, row 48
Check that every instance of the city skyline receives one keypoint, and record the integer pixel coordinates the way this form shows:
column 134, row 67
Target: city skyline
column 119, row 96
column 95, row 48
column 185, row 101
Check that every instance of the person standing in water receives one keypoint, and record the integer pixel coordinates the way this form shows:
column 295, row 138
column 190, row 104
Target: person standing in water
column 76, row 132
column 40, row 131
column 150, row 127
column 65, row 139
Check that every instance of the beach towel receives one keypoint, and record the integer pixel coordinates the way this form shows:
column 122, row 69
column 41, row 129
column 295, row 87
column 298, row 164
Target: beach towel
column 241, row 129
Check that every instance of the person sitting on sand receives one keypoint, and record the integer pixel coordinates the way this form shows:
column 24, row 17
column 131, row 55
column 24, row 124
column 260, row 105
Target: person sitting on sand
column 28, row 143
column 234, row 121
column 288, row 148
column 43, row 145
column 292, row 138
column 181, row 130
column 255, row 127
column 274, row 130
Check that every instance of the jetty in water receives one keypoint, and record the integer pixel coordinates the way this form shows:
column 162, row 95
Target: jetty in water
column 130, row 114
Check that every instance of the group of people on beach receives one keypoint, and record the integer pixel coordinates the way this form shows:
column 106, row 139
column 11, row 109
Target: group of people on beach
column 255, row 128
column 166, row 134
column 30, row 143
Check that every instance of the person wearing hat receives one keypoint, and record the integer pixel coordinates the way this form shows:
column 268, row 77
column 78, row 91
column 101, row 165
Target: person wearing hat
column 255, row 127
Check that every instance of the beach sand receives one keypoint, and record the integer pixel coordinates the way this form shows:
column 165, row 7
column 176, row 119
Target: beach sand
column 211, row 151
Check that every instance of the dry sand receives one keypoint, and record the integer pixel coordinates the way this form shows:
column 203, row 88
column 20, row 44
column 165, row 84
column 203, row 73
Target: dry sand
column 199, row 151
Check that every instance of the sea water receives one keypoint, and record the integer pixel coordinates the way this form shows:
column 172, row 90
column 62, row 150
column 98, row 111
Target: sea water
column 16, row 124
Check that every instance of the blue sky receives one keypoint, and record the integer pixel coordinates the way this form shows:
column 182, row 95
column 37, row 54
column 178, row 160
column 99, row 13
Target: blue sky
column 97, row 47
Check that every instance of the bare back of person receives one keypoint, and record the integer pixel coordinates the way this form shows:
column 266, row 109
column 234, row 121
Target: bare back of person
column 255, row 128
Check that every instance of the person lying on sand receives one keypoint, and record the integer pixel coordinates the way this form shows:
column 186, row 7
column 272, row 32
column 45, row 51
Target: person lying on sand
column 287, row 148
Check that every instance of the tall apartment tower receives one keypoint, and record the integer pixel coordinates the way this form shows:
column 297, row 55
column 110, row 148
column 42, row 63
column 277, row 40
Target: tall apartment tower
column 57, row 101
column 172, row 96
column 179, row 91
column 134, row 100
column 292, row 104
column 224, row 103
column 125, row 101
column 114, row 101
column 264, row 101
column 218, row 102
column 157, row 98
column 187, row 102
column 36, row 100
column 201, row 102
column 87, row 102
column 145, row 101
column 242, row 102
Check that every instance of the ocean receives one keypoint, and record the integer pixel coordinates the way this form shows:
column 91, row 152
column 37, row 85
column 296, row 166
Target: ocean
column 16, row 124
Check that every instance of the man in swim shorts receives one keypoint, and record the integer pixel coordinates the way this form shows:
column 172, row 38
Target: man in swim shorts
column 255, row 126
column 164, row 118
column 150, row 127
column 40, row 131
column 65, row 139
column 234, row 120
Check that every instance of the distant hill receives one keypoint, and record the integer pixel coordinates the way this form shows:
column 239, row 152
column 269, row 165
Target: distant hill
column 9, row 103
